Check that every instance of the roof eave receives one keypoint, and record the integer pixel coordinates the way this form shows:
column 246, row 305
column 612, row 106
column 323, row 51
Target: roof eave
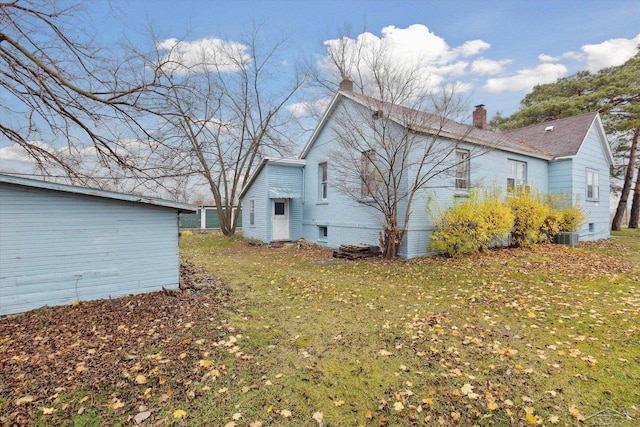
column 86, row 191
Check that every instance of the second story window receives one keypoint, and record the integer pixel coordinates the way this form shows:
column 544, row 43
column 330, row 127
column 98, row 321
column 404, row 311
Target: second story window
column 368, row 173
column 462, row 169
column 322, row 180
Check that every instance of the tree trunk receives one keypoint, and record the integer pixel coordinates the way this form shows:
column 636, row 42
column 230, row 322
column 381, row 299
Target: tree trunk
column 616, row 224
column 635, row 205
column 391, row 239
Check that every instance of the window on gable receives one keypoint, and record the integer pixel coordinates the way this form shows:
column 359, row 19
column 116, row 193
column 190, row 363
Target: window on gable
column 322, row 180
column 368, row 177
column 516, row 175
column 252, row 212
column 592, row 185
column 462, row 169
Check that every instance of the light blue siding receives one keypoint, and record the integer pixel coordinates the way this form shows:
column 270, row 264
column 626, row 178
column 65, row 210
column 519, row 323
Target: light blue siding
column 290, row 178
column 591, row 156
column 258, row 193
column 487, row 167
column 346, row 220
column 60, row 247
column 272, row 180
column 561, row 177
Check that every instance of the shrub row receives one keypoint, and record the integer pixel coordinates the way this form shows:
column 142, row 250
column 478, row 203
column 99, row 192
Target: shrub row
column 485, row 220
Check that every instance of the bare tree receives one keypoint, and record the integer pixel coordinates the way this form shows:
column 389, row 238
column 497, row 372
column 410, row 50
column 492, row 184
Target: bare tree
column 388, row 148
column 58, row 89
column 220, row 109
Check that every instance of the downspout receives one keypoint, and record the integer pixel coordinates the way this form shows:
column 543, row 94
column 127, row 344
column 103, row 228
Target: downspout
column 303, row 184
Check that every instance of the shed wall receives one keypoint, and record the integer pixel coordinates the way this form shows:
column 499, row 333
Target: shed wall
column 59, row 247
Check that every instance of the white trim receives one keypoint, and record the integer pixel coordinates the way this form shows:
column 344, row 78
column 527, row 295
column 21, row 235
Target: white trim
column 94, row 192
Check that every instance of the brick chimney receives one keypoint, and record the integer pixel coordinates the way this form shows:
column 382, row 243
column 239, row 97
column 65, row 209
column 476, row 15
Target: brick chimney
column 480, row 117
column 346, row 84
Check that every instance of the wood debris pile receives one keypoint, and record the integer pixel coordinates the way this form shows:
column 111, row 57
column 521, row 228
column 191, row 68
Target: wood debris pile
column 357, row 251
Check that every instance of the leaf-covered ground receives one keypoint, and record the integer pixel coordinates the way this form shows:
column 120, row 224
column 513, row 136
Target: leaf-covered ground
column 548, row 335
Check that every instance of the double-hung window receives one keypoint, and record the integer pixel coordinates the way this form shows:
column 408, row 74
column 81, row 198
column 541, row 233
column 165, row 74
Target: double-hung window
column 462, row 169
column 322, row 180
column 516, row 175
column 368, row 173
column 592, row 185
column 252, row 212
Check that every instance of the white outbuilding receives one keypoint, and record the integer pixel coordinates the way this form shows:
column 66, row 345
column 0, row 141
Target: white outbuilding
column 61, row 243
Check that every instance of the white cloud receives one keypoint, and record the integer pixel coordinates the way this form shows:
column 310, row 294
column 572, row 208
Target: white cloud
column 208, row 54
column 17, row 153
column 610, row 53
column 547, row 58
column 488, row 66
column 300, row 109
column 414, row 47
column 526, row 79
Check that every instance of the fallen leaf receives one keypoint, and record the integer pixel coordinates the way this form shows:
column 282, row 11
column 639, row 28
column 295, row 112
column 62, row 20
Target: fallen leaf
column 319, row 417
column 141, row 379
column 339, row 402
column 285, row 413
column 179, row 413
column 531, row 419
column 141, row 416
column 47, row 411
column 23, row 400
column 236, row 416
column 575, row 413
column 398, row 406
column 385, row 353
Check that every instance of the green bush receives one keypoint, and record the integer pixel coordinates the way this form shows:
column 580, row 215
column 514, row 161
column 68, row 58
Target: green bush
column 473, row 224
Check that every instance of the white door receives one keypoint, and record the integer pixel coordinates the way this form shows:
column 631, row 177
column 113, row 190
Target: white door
column 280, row 219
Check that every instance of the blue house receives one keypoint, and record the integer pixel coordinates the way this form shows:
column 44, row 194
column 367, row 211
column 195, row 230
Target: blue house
column 315, row 198
column 61, row 243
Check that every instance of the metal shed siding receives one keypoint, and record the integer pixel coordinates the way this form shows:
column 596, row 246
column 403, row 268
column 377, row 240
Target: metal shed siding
column 58, row 247
column 258, row 193
column 591, row 156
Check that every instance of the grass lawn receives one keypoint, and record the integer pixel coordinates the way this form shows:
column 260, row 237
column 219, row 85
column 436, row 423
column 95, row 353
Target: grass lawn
column 545, row 335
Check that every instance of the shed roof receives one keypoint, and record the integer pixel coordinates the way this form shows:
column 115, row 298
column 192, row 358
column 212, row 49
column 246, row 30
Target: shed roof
column 53, row 186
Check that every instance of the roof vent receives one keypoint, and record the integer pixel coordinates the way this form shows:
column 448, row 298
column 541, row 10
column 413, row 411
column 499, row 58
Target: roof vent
column 548, row 129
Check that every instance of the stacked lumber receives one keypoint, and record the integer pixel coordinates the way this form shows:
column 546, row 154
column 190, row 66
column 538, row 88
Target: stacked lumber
column 356, row 251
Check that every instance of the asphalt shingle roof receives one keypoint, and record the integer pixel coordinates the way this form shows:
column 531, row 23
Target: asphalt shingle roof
column 560, row 138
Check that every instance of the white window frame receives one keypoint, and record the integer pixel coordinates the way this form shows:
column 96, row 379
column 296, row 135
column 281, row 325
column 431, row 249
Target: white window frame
column 462, row 170
column 593, row 185
column 516, row 175
column 252, row 212
column 323, row 233
column 323, row 173
column 367, row 173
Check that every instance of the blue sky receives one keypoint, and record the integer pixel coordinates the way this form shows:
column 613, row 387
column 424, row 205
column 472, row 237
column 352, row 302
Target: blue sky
column 525, row 42
column 495, row 51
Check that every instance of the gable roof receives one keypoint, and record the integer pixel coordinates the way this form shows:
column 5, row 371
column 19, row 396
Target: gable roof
column 562, row 137
column 86, row 191
column 429, row 123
